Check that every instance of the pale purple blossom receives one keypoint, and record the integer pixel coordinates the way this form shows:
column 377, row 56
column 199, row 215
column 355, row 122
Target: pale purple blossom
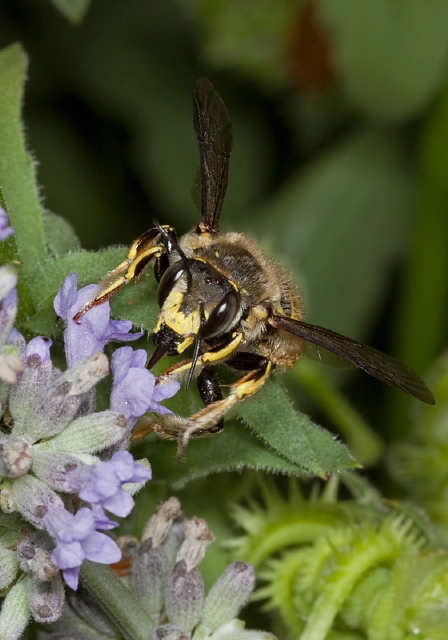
column 38, row 347
column 77, row 539
column 5, row 229
column 135, row 390
column 101, row 485
column 94, row 329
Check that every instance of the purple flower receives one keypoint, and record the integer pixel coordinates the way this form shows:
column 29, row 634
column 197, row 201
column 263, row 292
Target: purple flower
column 76, row 539
column 94, row 329
column 5, row 230
column 38, row 347
column 135, row 390
column 101, row 485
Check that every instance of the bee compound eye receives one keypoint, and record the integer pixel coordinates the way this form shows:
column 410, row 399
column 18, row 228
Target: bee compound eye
column 168, row 280
column 222, row 316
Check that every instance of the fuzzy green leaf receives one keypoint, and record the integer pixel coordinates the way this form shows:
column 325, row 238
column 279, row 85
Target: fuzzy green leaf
column 61, row 237
column 292, row 434
column 391, row 56
column 137, row 304
column 234, row 449
column 17, row 172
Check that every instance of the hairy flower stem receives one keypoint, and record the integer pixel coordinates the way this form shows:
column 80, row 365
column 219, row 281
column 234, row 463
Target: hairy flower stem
column 117, row 601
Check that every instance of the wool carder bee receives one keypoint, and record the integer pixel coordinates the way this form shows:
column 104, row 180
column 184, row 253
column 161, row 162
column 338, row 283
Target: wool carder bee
column 221, row 296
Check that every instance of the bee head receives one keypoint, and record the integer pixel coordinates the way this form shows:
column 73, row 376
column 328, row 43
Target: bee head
column 197, row 302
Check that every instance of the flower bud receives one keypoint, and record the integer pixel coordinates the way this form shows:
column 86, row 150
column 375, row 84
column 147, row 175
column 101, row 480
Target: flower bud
column 88, row 434
column 85, row 373
column 227, row 596
column 54, row 468
column 16, row 456
column 8, row 567
column 160, row 523
column 33, row 499
column 45, row 599
column 14, row 614
column 173, row 541
column 33, row 554
column 7, row 502
column 27, row 393
column 184, row 597
column 197, row 536
column 148, row 578
column 10, row 364
column 169, row 632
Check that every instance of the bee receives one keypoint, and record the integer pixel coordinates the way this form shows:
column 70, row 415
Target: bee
column 221, row 296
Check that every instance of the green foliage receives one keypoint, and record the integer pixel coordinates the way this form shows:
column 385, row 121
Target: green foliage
column 391, row 57
column 348, row 189
column 73, row 10
column 339, row 570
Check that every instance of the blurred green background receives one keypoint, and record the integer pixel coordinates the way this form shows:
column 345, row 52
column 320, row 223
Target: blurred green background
column 340, row 163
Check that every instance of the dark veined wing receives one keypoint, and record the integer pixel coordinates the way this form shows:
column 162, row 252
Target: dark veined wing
column 213, row 129
column 374, row 362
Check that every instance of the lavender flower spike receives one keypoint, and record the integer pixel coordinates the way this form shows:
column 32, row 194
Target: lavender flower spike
column 76, row 539
column 5, row 230
column 95, row 328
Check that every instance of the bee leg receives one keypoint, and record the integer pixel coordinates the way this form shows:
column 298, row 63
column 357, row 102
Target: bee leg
column 205, row 421
column 210, row 392
column 144, row 249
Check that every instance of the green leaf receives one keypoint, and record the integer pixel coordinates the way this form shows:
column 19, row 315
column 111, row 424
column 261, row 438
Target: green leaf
column 61, row 237
column 17, row 173
column 73, row 10
column 234, row 449
column 134, row 303
column 292, row 434
column 343, row 223
column 391, row 56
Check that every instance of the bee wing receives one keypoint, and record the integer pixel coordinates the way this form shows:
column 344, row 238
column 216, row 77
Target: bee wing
column 374, row 362
column 213, row 129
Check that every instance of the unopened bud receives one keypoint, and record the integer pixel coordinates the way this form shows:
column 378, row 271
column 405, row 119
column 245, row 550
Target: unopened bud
column 184, row 597
column 197, row 536
column 227, row 596
column 16, row 456
column 148, row 578
column 45, row 599
column 33, row 499
column 8, row 567
column 34, row 555
column 85, row 373
column 169, row 632
column 88, row 434
column 7, row 502
column 10, row 364
column 160, row 523
column 15, row 613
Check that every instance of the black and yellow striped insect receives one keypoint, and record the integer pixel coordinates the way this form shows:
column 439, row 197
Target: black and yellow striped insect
column 223, row 298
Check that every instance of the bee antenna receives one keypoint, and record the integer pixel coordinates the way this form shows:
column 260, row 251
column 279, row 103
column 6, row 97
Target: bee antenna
column 175, row 245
